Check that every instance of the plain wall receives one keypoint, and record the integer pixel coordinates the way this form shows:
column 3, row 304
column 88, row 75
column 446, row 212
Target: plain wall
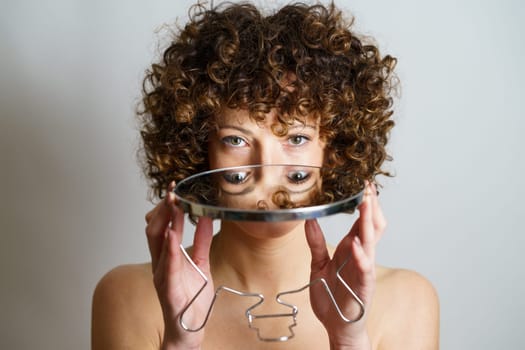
column 73, row 199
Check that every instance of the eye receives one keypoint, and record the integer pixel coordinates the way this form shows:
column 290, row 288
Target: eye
column 298, row 176
column 298, row 140
column 236, row 178
column 235, row 141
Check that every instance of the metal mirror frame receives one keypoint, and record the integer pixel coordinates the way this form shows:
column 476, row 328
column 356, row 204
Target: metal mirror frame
column 233, row 214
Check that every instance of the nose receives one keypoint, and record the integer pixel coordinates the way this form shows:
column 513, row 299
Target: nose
column 269, row 152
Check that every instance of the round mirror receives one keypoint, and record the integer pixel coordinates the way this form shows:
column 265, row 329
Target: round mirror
column 276, row 192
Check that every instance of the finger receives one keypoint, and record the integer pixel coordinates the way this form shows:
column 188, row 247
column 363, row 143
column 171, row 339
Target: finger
column 177, row 217
column 344, row 247
column 161, row 209
column 149, row 215
column 155, row 244
column 357, row 225
column 158, row 220
column 378, row 218
column 366, row 225
column 159, row 265
column 202, row 242
column 366, row 270
column 317, row 244
column 170, row 260
column 174, row 258
column 364, row 263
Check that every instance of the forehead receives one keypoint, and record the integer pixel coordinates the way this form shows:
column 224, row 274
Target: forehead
column 272, row 119
column 233, row 116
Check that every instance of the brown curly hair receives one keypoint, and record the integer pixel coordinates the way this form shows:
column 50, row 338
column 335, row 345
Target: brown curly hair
column 302, row 60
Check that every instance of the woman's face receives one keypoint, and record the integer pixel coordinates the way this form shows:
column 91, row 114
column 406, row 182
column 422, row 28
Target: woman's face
column 239, row 140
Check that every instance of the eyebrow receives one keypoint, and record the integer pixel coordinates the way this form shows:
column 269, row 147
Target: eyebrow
column 228, row 126
column 248, row 132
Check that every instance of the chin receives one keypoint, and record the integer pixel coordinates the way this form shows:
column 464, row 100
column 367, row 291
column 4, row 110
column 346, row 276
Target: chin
column 262, row 230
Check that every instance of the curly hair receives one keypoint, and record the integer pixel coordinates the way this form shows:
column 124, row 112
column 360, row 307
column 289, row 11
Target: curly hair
column 302, row 60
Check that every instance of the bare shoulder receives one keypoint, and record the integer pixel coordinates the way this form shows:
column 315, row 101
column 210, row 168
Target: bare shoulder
column 125, row 310
column 409, row 306
column 406, row 285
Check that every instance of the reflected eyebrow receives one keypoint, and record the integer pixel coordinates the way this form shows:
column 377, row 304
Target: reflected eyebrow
column 252, row 188
column 244, row 191
column 303, row 190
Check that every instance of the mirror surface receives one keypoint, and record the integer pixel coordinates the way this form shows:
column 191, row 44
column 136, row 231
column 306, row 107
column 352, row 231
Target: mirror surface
column 276, row 192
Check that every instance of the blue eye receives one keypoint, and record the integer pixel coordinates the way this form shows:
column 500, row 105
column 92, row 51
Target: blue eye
column 298, row 176
column 236, row 177
column 298, row 140
column 234, row 141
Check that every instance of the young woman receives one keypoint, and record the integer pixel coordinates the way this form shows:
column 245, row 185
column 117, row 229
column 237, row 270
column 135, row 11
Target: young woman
column 236, row 87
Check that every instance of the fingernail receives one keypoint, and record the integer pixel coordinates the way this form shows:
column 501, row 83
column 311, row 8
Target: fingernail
column 310, row 226
column 369, row 188
column 373, row 189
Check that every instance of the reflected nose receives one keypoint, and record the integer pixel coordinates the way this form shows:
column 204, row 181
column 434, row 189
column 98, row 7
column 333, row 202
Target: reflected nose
column 269, row 182
column 267, row 178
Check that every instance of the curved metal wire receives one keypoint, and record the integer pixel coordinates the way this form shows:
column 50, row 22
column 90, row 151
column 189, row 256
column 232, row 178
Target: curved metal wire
column 252, row 317
column 330, row 295
column 217, row 292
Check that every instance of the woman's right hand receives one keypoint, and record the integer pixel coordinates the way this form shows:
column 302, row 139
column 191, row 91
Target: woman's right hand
column 176, row 281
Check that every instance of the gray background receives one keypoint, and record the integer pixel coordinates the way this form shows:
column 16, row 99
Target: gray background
column 73, row 199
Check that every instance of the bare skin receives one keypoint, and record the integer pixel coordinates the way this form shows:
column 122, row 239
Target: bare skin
column 127, row 315
column 135, row 309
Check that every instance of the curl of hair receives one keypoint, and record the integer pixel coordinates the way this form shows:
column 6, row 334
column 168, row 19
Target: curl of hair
column 303, row 60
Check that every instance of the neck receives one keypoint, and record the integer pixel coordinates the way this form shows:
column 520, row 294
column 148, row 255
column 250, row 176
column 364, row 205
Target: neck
column 261, row 257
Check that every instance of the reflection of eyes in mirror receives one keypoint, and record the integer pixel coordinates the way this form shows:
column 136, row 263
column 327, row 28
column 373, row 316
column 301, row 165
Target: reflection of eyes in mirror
column 234, row 183
column 273, row 186
column 239, row 177
column 269, row 187
column 236, row 177
column 299, row 176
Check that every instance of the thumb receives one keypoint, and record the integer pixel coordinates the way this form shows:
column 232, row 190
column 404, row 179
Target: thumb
column 317, row 244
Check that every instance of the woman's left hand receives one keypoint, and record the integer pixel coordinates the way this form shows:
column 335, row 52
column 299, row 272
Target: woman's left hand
column 358, row 249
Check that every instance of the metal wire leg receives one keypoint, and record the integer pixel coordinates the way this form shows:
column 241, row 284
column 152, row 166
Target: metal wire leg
column 330, row 295
column 293, row 314
column 252, row 317
column 217, row 292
